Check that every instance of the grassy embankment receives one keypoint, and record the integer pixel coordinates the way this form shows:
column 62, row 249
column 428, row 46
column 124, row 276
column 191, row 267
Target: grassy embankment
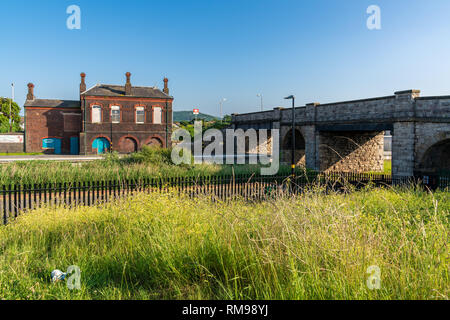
column 147, row 163
column 162, row 246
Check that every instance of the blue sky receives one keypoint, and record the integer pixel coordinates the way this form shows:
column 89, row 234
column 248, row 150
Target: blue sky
column 321, row 51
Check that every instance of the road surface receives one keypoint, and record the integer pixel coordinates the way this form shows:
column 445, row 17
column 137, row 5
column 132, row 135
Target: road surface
column 71, row 158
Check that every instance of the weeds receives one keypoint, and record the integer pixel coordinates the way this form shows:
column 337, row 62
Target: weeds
column 163, row 246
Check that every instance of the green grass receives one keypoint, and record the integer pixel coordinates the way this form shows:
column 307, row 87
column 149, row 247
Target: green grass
column 28, row 172
column 22, row 154
column 388, row 166
column 148, row 163
column 169, row 247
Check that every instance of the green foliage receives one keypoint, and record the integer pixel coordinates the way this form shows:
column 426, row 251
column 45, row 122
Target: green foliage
column 4, row 116
column 149, row 163
column 163, row 246
column 179, row 116
column 151, row 155
column 206, row 125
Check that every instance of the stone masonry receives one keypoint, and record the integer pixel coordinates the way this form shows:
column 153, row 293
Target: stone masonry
column 348, row 136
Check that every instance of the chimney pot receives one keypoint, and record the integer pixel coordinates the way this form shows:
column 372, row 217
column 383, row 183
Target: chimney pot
column 128, row 84
column 166, row 86
column 30, row 95
column 83, row 83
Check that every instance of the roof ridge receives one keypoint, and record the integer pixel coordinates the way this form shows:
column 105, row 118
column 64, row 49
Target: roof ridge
column 53, row 100
column 89, row 89
column 113, row 90
column 120, row 85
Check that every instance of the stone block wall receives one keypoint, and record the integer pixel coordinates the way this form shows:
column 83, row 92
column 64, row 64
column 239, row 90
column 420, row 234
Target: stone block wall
column 431, row 149
column 351, row 151
column 417, row 124
column 403, row 141
column 286, row 153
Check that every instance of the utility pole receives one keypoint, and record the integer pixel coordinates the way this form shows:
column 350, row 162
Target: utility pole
column 10, row 105
column 221, row 108
column 293, row 164
column 111, row 134
column 261, row 96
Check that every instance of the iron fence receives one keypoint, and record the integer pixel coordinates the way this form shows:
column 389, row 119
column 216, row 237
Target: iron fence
column 17, row 198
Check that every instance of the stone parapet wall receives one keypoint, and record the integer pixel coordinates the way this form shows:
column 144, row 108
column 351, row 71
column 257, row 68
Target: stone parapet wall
column 403, row 106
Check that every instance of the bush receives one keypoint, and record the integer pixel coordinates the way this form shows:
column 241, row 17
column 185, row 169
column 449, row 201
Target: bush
column 151, row 155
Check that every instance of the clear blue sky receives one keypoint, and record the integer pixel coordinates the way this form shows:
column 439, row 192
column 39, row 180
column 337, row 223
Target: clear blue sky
column 318, row 50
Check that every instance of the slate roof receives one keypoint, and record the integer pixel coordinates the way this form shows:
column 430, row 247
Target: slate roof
column 53, row 103
column 108, row 90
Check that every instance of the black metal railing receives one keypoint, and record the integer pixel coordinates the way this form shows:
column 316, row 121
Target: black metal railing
column 17, row 198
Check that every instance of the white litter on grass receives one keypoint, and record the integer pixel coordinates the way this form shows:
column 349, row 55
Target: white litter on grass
column 58, row 275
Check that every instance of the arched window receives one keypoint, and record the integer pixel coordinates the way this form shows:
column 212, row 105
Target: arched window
column 157, row 115
column 96, row 114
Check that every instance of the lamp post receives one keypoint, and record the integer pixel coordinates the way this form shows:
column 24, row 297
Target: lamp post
column 111, row 134
column 293, row 134
column 10, row 105
column 221, row 107
column 260, row 96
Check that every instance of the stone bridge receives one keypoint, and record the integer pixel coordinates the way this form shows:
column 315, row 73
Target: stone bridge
column 348, row 136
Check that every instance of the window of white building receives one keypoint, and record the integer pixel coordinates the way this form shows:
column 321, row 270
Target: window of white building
column 115, row 114
column 140, row 115
column 96, row 114
column 157, row 115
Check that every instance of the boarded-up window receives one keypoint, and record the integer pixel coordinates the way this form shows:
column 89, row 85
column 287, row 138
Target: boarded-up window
column 140, row 115
column 157, row 115
column 115, row 114
column 96, row 114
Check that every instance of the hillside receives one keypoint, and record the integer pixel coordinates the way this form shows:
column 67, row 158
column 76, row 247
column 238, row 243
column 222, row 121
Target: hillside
column 188, row 116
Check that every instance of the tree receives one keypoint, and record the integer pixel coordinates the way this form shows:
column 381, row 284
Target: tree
column 227, row 119
column 4, row 116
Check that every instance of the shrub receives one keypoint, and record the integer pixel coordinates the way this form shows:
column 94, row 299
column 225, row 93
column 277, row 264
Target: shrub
column 150, row 155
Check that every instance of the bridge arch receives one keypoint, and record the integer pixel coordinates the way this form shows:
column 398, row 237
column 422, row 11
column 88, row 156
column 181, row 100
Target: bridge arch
column 437, row 157
column 300, row 146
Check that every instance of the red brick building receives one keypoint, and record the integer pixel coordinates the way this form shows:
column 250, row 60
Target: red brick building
column 107, row 117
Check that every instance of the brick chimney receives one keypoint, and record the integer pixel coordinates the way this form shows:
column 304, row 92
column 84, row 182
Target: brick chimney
column 30, row 95
column 166, row 87
column 128, row 84
column 83, row 83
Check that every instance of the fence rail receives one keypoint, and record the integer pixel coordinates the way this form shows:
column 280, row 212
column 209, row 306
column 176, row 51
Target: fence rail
column 15, row 198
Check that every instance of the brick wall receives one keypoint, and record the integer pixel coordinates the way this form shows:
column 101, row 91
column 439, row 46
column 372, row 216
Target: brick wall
column 41, row 123
column 127, row 134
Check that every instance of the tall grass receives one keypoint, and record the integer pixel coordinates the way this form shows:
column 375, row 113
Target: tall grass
column 148, row 163
column 169, row 247
column 103, row 170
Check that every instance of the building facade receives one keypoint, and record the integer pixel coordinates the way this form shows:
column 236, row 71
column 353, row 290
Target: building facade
column 106, row 117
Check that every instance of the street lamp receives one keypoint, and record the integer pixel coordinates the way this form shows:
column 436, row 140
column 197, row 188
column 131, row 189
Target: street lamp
column 10, row 103
column 293, row 134
column 221, row 106
column 260, row 96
